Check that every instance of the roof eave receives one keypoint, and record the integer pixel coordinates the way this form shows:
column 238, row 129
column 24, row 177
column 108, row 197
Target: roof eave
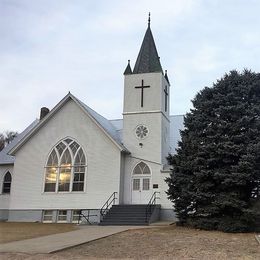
column 121, row 147
column 50, row 114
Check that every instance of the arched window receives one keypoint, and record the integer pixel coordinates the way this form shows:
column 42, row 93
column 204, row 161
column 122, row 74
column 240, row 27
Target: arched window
column 65, row 168
column 141, row 168
column 7, row 183
column 141, row 177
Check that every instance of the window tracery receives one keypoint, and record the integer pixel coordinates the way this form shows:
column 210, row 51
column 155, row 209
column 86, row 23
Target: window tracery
column 141, row 168
column 65, row 169
column 7, row 183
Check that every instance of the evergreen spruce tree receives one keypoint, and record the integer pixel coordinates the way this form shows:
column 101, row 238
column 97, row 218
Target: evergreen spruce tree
column 215, row 176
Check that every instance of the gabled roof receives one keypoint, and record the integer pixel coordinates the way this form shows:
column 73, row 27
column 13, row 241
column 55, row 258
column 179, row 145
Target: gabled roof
column 5, row 158
column 104, row 123
column 148, row 59
column 99, row 120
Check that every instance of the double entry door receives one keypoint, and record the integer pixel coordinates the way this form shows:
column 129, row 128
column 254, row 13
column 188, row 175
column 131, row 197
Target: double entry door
column 141, row 189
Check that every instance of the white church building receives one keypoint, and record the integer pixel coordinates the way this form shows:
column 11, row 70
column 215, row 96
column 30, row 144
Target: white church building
column 57, row 169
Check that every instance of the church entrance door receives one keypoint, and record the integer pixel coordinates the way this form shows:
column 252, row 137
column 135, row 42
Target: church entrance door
column 141, row 184
column 141, row 192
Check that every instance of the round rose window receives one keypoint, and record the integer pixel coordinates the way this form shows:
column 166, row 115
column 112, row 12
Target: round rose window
column 141, row 131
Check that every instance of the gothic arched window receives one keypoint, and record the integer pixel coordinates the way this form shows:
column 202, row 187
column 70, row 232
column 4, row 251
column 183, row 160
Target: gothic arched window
column 141, row 168
column 65, row 168
column 7, row 183
column 141, row 177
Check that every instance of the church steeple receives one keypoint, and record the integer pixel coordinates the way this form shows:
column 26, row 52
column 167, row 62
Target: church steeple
column 148, row 59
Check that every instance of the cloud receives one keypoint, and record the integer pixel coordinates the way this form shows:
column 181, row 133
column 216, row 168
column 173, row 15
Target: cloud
column 48, row 48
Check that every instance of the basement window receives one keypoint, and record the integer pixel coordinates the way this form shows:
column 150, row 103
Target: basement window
column 75, row 216
column 47, row 216
column 62, row 216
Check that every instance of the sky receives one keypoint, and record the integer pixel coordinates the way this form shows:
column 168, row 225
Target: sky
column 48, row 48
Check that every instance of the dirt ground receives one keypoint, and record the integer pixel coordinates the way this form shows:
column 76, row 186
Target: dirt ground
column 169, row 242
column 13, row 231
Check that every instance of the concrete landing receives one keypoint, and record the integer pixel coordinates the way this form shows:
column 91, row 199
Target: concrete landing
column 161, row 223
column 57, row 242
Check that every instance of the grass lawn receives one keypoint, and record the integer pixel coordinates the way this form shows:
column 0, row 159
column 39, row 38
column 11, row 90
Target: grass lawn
column 169, row 242
column 13, row 231
column 166, row 242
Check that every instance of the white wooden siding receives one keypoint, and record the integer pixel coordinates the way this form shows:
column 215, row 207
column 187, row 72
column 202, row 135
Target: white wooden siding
column 103, row 169
column 5, row 198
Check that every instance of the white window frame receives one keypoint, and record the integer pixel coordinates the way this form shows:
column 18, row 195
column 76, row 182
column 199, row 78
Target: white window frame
column 74, row 215
column 144, row 127
column 2, row 183
column 146, row 185
column 48, row 215
column 141, row 176
column 73, row 157
column 142, row 170
column 62, row 215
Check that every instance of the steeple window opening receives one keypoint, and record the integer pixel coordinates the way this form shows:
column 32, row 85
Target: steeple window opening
column 141, row 131
column 166, row 98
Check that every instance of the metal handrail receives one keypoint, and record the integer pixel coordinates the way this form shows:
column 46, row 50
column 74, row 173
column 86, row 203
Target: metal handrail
column 151, row 202
column 86, row 217
column 107, row 204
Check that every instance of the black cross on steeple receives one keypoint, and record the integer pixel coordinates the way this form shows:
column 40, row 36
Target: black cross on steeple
column 142, row 92
column 166, row 97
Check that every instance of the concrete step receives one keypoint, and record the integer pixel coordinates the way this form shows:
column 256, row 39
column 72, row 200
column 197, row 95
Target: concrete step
column 122, row 221
column 127, row 212
column 125, row 219
column 114, row 214
column 126, row 215
column 123, row 224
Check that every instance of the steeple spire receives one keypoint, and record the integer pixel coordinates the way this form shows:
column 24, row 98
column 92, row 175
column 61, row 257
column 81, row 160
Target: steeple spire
column 128, row 69
column 148, row 59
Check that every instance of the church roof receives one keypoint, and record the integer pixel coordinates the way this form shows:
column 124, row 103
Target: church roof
column 5, row 158
column 148, row 59
column 102, row 122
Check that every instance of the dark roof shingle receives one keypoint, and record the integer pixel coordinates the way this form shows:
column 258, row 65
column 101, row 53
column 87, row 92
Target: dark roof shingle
column 148, row 59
